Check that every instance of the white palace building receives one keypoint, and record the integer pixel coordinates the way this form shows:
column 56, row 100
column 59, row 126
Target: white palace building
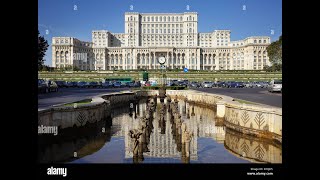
column 149, row 36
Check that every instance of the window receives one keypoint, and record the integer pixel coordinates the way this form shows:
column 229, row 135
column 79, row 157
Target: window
column 160, row 18
column 180, row 18
column 259, row 41
column 144, row 18
column 157, row 19
column 255, row 41
column 148, row 19
column 264, row 41
column 130, row 18
column 164, row 19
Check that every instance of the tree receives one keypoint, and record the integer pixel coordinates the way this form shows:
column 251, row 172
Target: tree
column 42, row 48
column 275, row 52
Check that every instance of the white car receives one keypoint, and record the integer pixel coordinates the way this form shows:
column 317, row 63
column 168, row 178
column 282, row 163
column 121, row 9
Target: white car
column 275, row 85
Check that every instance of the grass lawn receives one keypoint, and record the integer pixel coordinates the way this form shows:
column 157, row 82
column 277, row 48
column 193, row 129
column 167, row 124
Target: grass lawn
column 244, row 101
column 86, row 101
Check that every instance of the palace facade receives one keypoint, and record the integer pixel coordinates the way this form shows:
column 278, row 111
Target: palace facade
column 149, row 36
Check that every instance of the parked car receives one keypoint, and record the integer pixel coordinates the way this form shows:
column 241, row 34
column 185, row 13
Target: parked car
column 52, row 86
column 194, row 84
column 220, row 84
column 74, row 84
column 107, row 84
column 275, row 85
column 92, row 84
column 69, row 84
column 231, row 84
column 240, row 85
column 42, row 86
column 182, row 83
column 61, row 84
column 137, row 84
column 82, row 84
column 117, row 84
column 207, row 84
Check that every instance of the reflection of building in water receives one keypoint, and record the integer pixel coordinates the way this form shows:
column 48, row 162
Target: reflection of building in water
column 202, row 124
column 253, row 149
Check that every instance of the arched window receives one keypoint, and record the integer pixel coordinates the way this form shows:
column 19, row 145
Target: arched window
column 255, row 41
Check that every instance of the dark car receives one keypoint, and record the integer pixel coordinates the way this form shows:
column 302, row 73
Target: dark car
column 74, row 84
column 231, row 84
column 81, row 84
column 107, row 84
column 220, row 84
column 240, row 85
column 42, row 86
column 182, row 83
column 92, row 84
column 117, row 84
column 194, row 84
column 137, row 84
column 61, row 84
column 52, row 86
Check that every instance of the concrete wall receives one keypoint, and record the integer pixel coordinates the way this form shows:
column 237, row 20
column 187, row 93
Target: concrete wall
column 98, row 109
column 253, row 149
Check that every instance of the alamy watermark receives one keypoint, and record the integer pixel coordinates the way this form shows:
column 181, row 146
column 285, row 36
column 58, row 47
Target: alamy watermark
column 48, row 130
column 57, row 171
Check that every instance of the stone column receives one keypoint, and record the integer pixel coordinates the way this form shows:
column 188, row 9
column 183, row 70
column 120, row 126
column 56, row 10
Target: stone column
column 172, row 60
column 198, row 59
column 167, row 59
column 154, row 60
column 149, row 64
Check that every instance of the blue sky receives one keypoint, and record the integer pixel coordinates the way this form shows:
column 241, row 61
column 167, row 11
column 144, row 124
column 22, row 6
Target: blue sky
column 60, row 18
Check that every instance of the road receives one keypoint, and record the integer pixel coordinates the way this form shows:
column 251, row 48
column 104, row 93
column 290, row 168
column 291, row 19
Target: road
column 66, row 95
column 258, row 95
